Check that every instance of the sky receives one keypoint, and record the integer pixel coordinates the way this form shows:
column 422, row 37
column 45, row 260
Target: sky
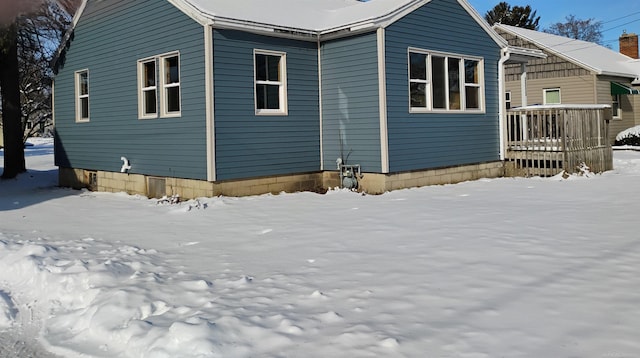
column 507, row 267
column 616, row 15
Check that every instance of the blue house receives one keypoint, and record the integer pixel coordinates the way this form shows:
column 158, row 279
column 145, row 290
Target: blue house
column 202, row 98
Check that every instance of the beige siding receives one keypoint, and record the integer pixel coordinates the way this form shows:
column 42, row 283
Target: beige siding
column 573, row 90
column 628, row 117
column 577, row 85
column 547, row 68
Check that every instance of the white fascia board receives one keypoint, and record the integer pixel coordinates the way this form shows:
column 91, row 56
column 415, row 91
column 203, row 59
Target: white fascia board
column 67, row 35
column 618, row 74
column 499, row 40
column 191, row 11
column 76, row 16
column 372, row 24
column 264, row 29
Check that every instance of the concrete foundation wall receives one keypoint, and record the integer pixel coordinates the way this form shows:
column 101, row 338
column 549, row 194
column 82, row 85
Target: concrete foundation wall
column 371, row 183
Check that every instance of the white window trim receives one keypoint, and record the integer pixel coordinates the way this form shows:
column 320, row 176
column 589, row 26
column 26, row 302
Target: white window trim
column 79, row 96
column 142, row 89
column 544, row 95
column 164, row 86
column 617, row 114
column 507, row 100
column 282, row 85
column 426, row 82
column 462, row 84
column 161, row 86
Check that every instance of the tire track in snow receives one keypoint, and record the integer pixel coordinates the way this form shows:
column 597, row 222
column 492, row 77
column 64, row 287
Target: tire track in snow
column 19, row 340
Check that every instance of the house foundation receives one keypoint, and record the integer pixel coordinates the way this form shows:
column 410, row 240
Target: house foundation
column 371, row 183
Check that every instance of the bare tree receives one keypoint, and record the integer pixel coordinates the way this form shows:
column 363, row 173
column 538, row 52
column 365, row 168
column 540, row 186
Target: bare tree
column 10, row 92
column 29, row 32
column 586, row 30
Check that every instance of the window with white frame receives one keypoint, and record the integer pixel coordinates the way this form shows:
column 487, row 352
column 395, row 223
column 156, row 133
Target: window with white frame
column 170, row 85
column 159, row 86
column 552, row 96
column 270, row 82
column 148, row 89
column 82, row 95
column 615, row 106
column 445, row 82
column 507, row 99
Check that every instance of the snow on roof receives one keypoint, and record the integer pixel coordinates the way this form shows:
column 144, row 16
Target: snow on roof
column 311, row 15
column 590, row 55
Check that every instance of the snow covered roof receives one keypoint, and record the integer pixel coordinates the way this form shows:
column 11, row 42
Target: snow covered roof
column 312, row 15
column 589, row 55
column 316, row 17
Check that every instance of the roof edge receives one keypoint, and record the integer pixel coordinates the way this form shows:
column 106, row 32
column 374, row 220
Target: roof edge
column 67, row 36
column 550, row 49
column 499, row 40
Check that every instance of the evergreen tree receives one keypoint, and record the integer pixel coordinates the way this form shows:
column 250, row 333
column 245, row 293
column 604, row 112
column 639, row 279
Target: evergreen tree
column 520, row 16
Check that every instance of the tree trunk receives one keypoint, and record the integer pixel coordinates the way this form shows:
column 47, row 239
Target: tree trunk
column 11, row 118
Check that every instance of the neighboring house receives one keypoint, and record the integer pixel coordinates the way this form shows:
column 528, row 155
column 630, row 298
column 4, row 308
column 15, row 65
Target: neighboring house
column 242, row 97
column 576, row 72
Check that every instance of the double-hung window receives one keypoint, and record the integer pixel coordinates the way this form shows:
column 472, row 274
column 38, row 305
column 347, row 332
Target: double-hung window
column 615, row 106
column 170, row 85
column 270, row 83
column 82, row 95
column 149, row 89
column 159, row 86
column 443, row 82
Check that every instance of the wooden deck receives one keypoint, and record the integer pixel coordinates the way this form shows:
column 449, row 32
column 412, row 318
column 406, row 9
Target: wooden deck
column 547, row 140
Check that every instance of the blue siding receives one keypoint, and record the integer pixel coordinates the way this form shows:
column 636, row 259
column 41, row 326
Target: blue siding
column 350, row 102
column 419, row 141
column 109, row 39
column 248, row 145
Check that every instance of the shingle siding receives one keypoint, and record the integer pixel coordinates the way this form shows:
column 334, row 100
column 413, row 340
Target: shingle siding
column 430, row 140
column 136, row 29
column 250, row 145
column 350, row 102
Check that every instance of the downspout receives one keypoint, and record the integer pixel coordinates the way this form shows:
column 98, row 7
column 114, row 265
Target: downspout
column 504, row 57
column 320, row 102
column 209, row 103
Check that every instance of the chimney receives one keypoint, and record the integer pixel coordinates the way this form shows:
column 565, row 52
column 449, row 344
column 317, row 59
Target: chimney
column 629, row 45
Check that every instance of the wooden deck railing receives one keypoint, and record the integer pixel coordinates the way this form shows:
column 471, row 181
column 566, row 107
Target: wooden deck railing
column 546, row 140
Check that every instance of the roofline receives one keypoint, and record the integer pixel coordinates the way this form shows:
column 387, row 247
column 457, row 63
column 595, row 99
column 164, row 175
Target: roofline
column 67, row 35
column 595, row 70
column 371, row 24
column 499, row 40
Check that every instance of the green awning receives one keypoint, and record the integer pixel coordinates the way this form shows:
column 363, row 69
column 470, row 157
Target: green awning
column 619, row 88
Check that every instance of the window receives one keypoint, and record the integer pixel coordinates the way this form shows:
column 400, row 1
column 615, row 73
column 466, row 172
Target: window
column 159, row 86
column 552, row 96
column 270, row 82
column 82, row 96
column 615, row 106
column 442, row 82
column 507, row 99
column 418, row 81
column 171, row 85
column 149, row 95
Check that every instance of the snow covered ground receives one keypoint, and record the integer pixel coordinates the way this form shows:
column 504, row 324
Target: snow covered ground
column 490, row 268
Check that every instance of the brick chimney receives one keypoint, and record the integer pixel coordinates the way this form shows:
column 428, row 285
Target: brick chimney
column 629, row 45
